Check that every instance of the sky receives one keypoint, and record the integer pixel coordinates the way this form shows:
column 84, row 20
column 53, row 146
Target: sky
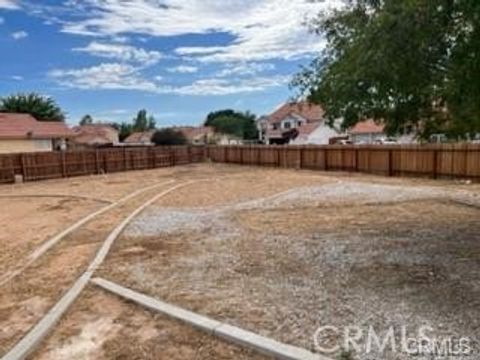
column 179, row 59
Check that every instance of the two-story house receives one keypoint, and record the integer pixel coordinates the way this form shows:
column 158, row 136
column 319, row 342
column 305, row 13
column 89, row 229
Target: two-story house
column 296, row 123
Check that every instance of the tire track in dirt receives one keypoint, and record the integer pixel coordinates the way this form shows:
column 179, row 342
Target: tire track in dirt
column 25, row 301
column 47, row 245
column 26, row 344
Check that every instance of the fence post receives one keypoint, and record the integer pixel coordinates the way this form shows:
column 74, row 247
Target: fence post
column 84, row 163
column 326, row 159
column 64, row 165
column 390, row 162
column 97, row 161
column 435, row 164
column 24, row 167
column 300, row 160
column 153, row 157
column 356, row 159
column 125, row 158
column 172, row 156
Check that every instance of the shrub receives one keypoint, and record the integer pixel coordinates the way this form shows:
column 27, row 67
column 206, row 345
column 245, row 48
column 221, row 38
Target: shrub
column 169, row 137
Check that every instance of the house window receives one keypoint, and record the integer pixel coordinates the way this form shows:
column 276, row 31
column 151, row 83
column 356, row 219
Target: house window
column 287, row 125
column 275, row 126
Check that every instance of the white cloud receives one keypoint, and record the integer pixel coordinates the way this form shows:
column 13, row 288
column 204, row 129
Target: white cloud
column 110, row 76
column 19, row 35
column 116, row 76
column 183, row 69
column 17, row 77
column 245, row 69
column 215, row 86
column 198, row 50
column 261, row 30
column 9, row 4
column 122, row 52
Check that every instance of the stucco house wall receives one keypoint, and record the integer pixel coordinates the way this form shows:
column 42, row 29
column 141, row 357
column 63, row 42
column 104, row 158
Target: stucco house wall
column 23, row 145
column 319, row 136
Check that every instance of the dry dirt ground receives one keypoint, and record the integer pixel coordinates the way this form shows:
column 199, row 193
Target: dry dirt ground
column 278, row 252
column 286, row 252
column 103, row 327
column 25, row 223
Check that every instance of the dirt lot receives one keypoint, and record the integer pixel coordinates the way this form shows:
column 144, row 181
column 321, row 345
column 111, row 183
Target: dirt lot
column 104, row 327
column 18, row 240
column 287, row 252
column 277, row 252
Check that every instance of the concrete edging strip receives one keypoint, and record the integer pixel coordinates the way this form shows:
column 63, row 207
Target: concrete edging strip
column 33, row 338
column 264, row 345
column 47, row 245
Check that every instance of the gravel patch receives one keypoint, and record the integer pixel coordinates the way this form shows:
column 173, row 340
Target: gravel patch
column 160, row 220
column 343, row 253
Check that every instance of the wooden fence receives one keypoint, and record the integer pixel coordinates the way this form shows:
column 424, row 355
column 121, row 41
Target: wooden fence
column 436, row 161
column 50, row 165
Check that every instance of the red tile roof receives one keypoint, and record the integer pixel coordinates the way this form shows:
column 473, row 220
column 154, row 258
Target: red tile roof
column 307, row 129
column 140, row 137
column 306, row 110
column 95, row 134
column 367, row 127
column 24, row 126
column 191, row 133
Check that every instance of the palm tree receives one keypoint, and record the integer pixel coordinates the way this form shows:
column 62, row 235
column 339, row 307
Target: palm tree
column 42, row 108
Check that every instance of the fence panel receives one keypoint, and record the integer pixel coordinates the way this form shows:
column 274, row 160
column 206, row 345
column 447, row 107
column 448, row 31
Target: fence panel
column 41, row 166
column 50, row 165
column 444, row 160
column 7, row 169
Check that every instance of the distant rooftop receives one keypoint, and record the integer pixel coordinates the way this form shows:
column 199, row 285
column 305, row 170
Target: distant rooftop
column 25, row 126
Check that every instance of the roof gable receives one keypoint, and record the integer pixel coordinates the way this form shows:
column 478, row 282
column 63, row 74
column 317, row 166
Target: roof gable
column 95, row 134
column 140, row 137
column 367, row 127
column 305, row 110
column 25, row 126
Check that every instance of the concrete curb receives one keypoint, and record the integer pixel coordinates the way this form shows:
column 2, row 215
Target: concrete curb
column 47, row 245
column 34, row 337
column 264, row 345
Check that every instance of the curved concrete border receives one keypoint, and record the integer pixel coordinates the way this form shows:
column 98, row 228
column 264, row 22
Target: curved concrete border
column 47, row 245
column 34, row 337
column 233, row 334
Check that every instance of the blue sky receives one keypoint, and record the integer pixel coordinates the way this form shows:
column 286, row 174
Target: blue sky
column 179, row 59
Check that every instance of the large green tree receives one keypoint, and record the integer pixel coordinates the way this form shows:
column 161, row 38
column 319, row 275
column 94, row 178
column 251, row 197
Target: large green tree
column 240, row 124
column 42, row 108
column 401, row 62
